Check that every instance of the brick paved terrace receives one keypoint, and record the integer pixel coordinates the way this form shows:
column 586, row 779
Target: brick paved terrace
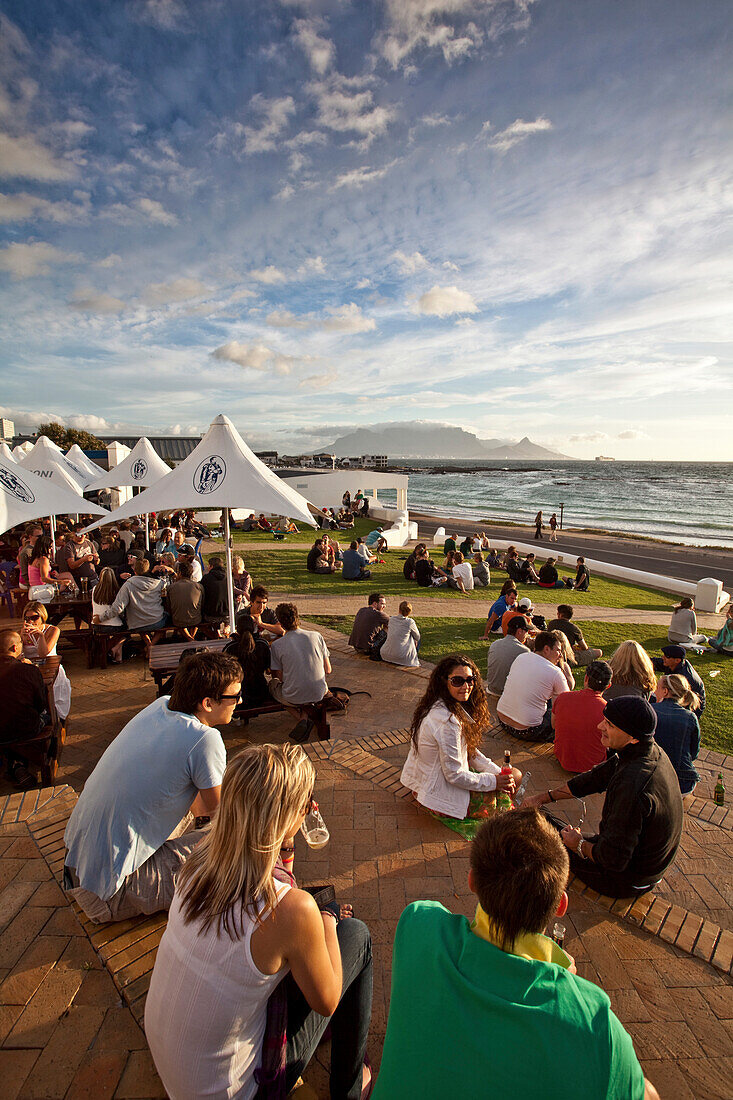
column 69, row 1005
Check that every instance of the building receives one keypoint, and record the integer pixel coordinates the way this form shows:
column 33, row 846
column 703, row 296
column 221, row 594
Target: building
column 373, row 462
column 7, row 431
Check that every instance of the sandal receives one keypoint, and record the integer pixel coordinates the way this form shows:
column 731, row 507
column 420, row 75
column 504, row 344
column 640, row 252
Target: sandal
column 301, row 731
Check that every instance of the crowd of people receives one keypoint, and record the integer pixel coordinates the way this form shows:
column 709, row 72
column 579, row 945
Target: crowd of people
column 252, row 970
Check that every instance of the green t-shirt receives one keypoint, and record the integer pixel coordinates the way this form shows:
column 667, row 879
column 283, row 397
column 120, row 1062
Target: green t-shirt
column 468, row 1020
column 449, row 544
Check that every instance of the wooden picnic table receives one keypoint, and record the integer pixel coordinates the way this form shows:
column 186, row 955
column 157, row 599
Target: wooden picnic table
column 165, row 658
column 79, row 607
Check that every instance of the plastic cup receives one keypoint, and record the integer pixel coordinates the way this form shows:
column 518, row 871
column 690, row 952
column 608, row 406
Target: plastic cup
column 314, row 829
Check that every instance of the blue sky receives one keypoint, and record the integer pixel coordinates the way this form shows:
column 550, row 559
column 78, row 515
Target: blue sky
column 511, row 215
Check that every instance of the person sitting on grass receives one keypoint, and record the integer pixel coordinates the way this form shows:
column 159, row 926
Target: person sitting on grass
column 25, row 706
column 678, row 730
column 548, row 575
column 633, row 671
column 480, row 570
column 249, row 974
column 507, row 599
column 722, row 643
column 403, row 639
column 408, row 569
column 352, row 567
column 534, row 680
column 299, row 665
column 683, row 627
column 376, row 541
column 444, row 767
column 583, row 654
column 365, row 552
column 462, row 573
column 505, row 1000
column 344, row 519
column 575, row 719
column 582, row 577
column 641, row 821
column 451, row 543
column 317, row 560
column 527, row 571
column 263, row 524
column 674, row 660
column 368, row 621
column 168, row 761
column 427, row 573
column 449, row 562
column 512, row 566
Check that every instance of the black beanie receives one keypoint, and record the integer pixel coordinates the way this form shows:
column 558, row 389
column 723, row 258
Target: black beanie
column 633, row 715
column 674, row 651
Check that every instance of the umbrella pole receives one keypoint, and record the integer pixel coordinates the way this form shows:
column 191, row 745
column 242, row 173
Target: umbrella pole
column 147, row 533
column 230, row 582
column 53, row 535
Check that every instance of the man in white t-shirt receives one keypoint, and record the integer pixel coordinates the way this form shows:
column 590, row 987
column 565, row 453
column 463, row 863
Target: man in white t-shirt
column 463, row 573
column 166, row 763
column 299, row 664
column 534, row 680
column 186, row 552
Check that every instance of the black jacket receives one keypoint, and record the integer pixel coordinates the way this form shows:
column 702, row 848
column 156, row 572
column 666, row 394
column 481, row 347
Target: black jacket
column 685, row 669
column 24, row 699
column 216, row 599
column 641, row 823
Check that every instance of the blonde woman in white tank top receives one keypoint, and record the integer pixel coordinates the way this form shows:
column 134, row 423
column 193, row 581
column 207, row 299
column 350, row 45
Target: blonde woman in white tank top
column 234, row 934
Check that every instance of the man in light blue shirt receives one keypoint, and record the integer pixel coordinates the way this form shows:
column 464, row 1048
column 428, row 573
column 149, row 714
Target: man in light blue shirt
column 167, row 762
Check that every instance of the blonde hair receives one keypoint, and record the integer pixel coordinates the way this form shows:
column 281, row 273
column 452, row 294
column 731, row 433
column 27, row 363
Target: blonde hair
column 680, row 691
column 264, row 795
column 36, row 605
column 567, row 650
column 631, row 665
column 237, row 564
column 405, row 608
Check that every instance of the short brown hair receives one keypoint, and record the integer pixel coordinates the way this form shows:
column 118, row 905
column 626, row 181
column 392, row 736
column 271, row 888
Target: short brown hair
column 544, row 639
column 520, row 869
column 287, row 615
column 141, row 566
column 405, row 608
column 5, row 640
column 200, row 676
column 185, row 569
column 259, row 592
column 216, row 562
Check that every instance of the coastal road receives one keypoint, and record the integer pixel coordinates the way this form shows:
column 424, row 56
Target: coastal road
column 689, row 563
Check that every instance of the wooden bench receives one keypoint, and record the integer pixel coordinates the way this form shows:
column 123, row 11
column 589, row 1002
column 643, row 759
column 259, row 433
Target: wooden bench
column 315, row 711
column 98, row 643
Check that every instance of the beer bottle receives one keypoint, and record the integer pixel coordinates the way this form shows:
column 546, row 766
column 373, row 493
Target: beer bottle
column 719, row 792
column 503, row 798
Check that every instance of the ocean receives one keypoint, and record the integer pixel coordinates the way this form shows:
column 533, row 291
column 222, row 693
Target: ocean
column 688, row 502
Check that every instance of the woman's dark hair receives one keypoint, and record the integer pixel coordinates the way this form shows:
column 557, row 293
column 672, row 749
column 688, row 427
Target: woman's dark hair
column 42, row 549
column 106, row 588
column 473, row 714
column 253, row 655
column 508, row 586
column 201, row 676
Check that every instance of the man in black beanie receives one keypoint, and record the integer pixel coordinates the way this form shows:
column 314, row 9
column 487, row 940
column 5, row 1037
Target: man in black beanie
column 674, row 661
column 641, row 823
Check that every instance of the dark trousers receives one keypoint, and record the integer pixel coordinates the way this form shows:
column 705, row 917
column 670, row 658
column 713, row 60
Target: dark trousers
column 613, row 884
column 349, row 1023
column 541, row 732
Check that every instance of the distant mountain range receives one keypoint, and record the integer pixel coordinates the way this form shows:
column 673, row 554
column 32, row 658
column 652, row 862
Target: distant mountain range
column 418, row 439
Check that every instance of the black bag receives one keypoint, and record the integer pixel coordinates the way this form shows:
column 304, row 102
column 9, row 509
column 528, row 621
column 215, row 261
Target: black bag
column 376, row 643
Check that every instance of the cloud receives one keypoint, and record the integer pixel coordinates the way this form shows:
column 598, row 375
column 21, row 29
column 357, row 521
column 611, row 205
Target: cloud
column 110, row 260
column 23, row 207
column 348, row 318
column 512, row 135
column 270, row 275
column 413, row 24
column 90, row 301
column 285, row 319
column 179, row 290
column 253, row 357
column 363, row 284
column 26, row 158
column 408, row 265
column 23, row 261
column 156, row 212
column 276, row 114
column 632, row 433
column 588, row 437
column 319, row 381
column 359, row 177
column 312, row 266
column 166, row 15
column 320, row 51
column 441, row 301
column 344, row 109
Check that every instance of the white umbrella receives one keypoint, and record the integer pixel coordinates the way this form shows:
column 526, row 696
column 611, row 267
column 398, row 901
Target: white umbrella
column 143, row 466
column 21, row 450
column 24, row 497
column 221, row 472
column 77, row 456
column 47, row 461
column 6, row 453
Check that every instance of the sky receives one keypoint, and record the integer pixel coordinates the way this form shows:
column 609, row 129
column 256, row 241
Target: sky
column 313, row 215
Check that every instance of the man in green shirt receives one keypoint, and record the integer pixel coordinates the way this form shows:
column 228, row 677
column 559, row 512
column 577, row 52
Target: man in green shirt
column 494, row 1007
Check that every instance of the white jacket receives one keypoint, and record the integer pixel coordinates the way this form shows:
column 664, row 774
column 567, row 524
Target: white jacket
column 439, row 773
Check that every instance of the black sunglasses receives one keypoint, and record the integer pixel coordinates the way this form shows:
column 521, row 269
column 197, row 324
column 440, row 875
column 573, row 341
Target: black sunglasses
column 459, row 681
column 222, row 698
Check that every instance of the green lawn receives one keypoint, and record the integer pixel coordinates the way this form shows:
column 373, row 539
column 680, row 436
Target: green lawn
column 361, row 528
column 284, row 570
column 441, row 637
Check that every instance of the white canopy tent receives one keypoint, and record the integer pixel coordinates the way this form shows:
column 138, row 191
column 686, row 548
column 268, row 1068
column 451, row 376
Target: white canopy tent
column 143, row 466
column 77, row 456
column 25, row 497
column 221, row 472
column 6, row 453
column 48, row 462
column 21, row 450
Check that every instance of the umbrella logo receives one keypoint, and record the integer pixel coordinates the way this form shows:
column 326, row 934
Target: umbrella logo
column 139, row 469
column 15, row 486
column 209, row 474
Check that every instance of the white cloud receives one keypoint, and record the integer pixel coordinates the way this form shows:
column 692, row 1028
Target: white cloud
column 319, row 51
column 286, row 192
column 276, row 114
column 179, row 290
column 441, row 301
column 254, row 357
column 110, row 261
column 285, row 319
column 313, row 266
column 359, row 177
column 348, row 318
column 167, row 15
column 26, row 158
column 588, row 437
column 23, row 261
column 344, row 108
column 512, row 135
column 632, row 433
column 23, row 207
column 269, row 275
column 414, row 24
column 408, row 265
column 91, row 301
column 319, row 381
column 156, row 212
column 363, row 284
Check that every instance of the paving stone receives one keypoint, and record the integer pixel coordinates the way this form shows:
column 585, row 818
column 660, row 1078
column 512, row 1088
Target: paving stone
column 32, row 967
column 98, row 1075
column 15, row 1065
column 55, row 1069
column 39, row 1018
column 21, row 932
column 139, row 1079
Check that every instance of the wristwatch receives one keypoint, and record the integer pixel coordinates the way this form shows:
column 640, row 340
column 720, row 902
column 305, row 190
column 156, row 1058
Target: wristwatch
column 579, row 849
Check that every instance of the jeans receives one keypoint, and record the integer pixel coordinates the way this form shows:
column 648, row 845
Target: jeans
column 614, row 884
column 541, row 732
column 349, row 1023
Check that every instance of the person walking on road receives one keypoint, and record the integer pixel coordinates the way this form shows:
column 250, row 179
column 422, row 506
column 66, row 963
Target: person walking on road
column 538, row 525
column 553, row 527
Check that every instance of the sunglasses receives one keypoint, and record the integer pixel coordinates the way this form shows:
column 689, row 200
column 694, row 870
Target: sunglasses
column 31, row 618
column 459, row 681
column 228, row 698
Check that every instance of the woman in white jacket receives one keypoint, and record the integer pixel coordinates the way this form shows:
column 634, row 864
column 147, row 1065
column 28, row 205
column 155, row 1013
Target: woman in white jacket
column 400, row 645
column 444, row 766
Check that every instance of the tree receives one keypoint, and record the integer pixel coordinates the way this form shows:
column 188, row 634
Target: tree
column 67, row 437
